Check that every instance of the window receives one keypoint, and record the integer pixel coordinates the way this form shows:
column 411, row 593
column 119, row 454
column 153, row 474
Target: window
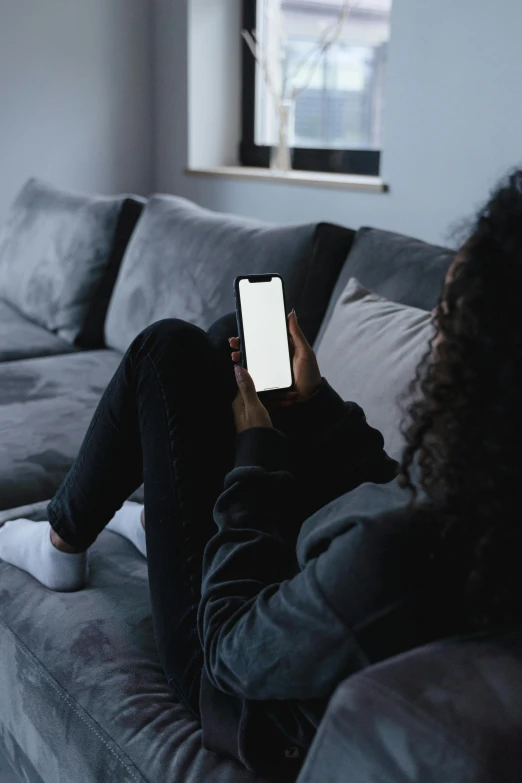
column 338, row 111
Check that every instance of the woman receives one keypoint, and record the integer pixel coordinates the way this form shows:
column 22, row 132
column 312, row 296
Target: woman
column 273, row 573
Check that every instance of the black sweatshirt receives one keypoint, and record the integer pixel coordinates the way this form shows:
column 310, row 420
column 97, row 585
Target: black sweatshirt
column 283, row 623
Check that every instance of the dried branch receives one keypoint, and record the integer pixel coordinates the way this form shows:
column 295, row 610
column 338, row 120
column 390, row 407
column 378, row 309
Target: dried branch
column 313, row 50
column 262, row 62
column 311, row 59
column 329, row 37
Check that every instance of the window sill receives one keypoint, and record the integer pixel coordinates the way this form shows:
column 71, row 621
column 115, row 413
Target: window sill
column 316, row 178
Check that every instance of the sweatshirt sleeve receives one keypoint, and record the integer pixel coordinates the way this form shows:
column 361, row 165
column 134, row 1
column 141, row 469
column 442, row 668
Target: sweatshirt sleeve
column 267, row 631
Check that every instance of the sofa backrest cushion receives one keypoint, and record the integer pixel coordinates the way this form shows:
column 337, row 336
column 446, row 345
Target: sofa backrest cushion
column 450, row 712
column 397, row 267
column 54, row 250
column 369, row 353
column 182, row 261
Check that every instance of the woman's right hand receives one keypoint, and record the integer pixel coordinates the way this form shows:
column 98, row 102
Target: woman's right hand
column 307, row 375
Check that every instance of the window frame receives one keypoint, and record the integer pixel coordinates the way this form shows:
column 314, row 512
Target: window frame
column 334, row 161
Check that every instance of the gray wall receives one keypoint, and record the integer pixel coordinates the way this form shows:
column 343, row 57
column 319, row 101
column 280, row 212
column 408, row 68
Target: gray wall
column 453, row 123
column 76, row 95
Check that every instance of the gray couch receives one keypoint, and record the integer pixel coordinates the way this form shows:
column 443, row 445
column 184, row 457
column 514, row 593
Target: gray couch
column 82, row 695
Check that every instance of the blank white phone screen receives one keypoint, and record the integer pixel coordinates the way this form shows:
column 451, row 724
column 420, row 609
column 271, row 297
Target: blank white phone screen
column 265, row 334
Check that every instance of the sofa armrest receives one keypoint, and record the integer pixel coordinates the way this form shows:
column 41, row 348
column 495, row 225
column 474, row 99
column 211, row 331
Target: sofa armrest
column 446, row 712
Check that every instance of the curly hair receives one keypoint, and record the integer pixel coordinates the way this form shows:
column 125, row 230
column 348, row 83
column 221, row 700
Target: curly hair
column 464, row 434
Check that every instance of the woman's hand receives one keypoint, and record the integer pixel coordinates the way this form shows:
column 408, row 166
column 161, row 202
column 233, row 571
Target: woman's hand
column 248, row 409
column 307, row 375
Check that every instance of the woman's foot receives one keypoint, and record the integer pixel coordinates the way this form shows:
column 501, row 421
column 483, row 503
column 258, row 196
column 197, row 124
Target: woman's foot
column 129, row 522
column 28, row 545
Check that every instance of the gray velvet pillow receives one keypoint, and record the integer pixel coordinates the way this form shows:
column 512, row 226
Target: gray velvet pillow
column 182, row 260
column 54, row 249
column 369, row 353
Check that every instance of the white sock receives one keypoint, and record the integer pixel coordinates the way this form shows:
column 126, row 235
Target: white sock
column 127, row 523
column 27, row 545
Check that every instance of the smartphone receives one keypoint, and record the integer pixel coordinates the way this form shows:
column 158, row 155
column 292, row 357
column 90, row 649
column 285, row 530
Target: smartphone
column 263, row 331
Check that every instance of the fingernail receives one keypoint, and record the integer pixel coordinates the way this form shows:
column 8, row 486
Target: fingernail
column 295, row 314
column 239, row 370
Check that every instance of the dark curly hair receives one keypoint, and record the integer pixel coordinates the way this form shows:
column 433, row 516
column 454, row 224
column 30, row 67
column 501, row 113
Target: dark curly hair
column 465, row 425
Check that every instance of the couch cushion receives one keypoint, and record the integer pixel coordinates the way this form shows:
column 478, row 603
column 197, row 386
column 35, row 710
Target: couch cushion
column 449, row 712
column 400, row 268
column 54, row 250
column 182, row 261
column 369, row 353
column 83, row 694
column 22, row 339
column 45, row 408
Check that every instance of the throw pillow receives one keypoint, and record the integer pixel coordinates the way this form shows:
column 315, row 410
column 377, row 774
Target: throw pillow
column 369, row 353
column 182, row 261
column 398, row 267
column 54, row 251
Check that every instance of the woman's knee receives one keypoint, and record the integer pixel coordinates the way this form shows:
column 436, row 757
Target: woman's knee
column 173, row 336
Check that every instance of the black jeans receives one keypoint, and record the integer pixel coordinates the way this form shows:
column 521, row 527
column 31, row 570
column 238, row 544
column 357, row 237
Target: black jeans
column 165, row 420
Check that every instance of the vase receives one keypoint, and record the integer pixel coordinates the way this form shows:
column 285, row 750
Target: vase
column 281, row 157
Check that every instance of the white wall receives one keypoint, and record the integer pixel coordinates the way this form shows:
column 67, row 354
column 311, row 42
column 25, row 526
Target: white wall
column 453, row 123
column 76, row 95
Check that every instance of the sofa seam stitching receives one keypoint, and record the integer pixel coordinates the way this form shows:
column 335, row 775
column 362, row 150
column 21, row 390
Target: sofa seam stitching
column 68, row 699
